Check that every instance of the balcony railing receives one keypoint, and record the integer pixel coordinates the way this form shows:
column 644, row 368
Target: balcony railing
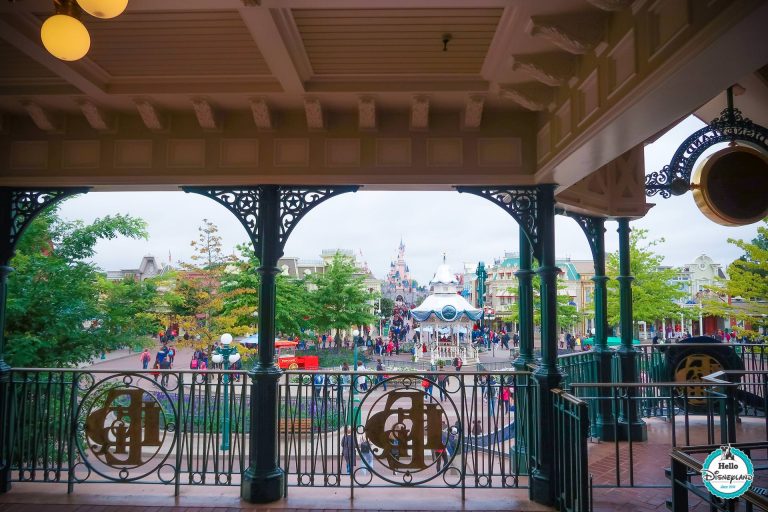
column 336, row 429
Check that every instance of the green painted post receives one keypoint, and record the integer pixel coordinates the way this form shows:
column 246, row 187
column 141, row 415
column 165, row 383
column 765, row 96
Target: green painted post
column 546, row 376
column 524, row 276
column 604, row 356
column 630, row 426
column 263, row 481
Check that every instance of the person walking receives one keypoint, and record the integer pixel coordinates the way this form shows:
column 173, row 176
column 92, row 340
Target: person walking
column 145, row 358
column 348, row 449
column 442, row 381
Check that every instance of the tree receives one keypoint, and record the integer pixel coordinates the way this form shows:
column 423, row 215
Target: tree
column 340, row 297
column 654, row 293
column 747, row 281
column 196, row 297
column 387, row 307
column 128, row 309
column 240, row 289
column 54, row 314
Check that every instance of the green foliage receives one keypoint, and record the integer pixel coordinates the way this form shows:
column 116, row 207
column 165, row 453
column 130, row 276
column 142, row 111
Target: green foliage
column 387, row 307
column 53, row 304
column 128, row 309
column 653, row 290
column 339, row 296
column 748, row 280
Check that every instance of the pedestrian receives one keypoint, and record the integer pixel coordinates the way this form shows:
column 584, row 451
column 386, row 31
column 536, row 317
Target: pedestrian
column 171, row 353
column 145, row 358
column 442, row 381
column 156, row 374
column 380, row 377
column 367, row 455
column 457, row 363
column 505, row 395
column 165, row 364
column 362, row 380
column 194, row 363
column 348, row 449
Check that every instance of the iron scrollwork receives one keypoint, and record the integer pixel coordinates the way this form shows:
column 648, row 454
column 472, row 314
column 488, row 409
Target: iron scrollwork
column 245, row 203
column 520, row 202
column 594, row 229
column 23, row 205
column 296, row 202
column 730, row 126
column 241, row 201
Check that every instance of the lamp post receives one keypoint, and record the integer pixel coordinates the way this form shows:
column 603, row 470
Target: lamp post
column 353, row 382
column 226, row 352
column 482, row 275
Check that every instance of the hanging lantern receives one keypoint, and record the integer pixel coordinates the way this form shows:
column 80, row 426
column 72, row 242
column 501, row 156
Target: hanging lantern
column 63, row 35
column 104, row 9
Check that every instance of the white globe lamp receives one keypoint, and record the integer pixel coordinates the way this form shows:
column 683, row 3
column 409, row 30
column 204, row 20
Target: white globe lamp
column 226, row 338
column 65, row 37
column 104, row 9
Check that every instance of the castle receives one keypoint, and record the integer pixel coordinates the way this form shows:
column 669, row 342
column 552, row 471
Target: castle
column 398, row 284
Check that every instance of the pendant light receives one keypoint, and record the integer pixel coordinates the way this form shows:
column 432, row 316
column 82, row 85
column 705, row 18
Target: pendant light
column 104, row 9
column 63, row 35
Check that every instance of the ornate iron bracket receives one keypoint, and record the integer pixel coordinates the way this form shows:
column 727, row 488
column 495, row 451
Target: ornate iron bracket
column 522, row 203
column 730, row 126
column 594, row 229
column 295, row 202
column 20, row 206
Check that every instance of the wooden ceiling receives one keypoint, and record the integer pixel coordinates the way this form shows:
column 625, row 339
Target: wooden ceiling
column 524, row 91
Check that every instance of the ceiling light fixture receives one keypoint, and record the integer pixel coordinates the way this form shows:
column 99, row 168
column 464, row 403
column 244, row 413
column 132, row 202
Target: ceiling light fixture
column 104, row 9
column 63, row 34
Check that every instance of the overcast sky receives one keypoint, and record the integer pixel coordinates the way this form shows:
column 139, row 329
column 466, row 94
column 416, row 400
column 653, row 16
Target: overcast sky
column 465, row 227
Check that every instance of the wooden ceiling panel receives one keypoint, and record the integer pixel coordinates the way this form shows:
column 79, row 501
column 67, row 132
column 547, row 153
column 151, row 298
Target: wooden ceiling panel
column 396, row 41
column 175, row 44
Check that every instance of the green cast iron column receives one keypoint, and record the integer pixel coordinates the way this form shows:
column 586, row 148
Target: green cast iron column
column 524, row 276
column 263, row 480
column 547, row 376
column 525, row 304
column 605, row 423
column 629, row 424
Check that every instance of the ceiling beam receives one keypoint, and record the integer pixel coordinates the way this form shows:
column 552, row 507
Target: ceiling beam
column 22, row 30
column 150, row 115
column 262, row 117
column 279, row 42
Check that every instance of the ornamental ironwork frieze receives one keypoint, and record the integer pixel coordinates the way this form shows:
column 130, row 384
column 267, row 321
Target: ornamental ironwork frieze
column 730, row 126
column 522, row 203
column 245, row 203
column 20, row 207
column 296, row 202
column 594, row 229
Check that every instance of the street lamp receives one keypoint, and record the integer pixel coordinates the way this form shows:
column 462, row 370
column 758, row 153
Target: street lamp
column 225, row 352
column 353, row 383
column 482, row 275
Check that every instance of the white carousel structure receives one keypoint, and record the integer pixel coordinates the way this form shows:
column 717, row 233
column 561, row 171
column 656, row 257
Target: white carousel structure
column 446, row 320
